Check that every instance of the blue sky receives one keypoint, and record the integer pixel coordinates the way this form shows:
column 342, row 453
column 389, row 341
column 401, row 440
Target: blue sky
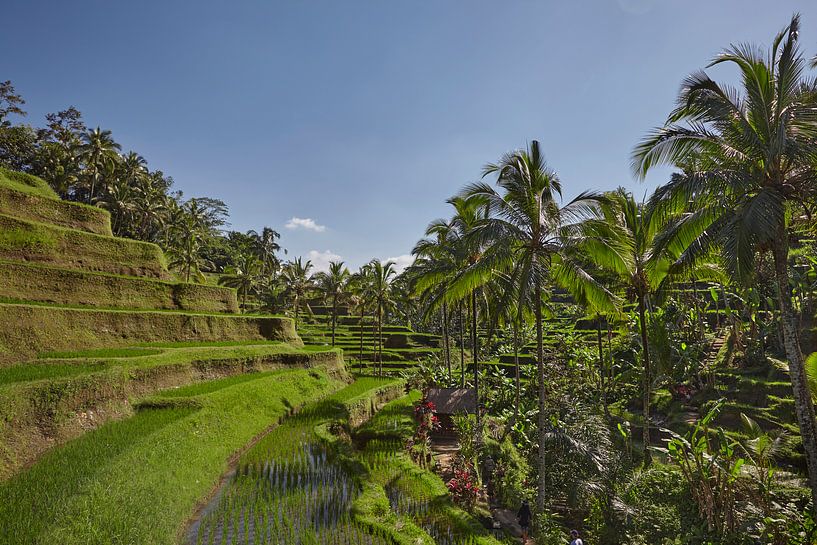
column 351, row 122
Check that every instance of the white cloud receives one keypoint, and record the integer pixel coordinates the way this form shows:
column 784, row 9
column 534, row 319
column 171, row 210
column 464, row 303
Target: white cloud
column 320, row 260
column 401, row 262
column 305, row 223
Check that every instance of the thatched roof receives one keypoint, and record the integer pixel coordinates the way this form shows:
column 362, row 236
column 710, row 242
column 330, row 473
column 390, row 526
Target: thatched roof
column 453, row 400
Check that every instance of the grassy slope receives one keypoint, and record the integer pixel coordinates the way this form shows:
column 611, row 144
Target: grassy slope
column 27, row 330
column 50, row 401
column 42, row 283
column 136, row 481
column 26, row 183
column 33, row 241
column 34, row 207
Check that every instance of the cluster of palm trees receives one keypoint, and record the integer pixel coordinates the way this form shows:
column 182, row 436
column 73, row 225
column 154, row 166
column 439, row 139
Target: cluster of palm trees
column 369, row 292
column 746, row 165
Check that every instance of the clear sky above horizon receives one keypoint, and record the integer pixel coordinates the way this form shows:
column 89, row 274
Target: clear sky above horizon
column 346, row 125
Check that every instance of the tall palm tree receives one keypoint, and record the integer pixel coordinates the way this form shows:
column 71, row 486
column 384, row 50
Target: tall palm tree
column 748, row 162
column 620, row 240
column 381, row 275
column 435, row 265
column 187, row 235
column 298, row 284
column 525, row 234
column 359, row 288
column 98, row 153
column 333, row 284
column 244, row 275
column 268, row 247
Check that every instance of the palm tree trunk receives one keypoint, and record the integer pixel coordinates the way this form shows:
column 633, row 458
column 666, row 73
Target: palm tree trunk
column 380, row 335
column 541, row 420
column 334, row 316
column 804, row 406
column 373, row 344
column 602, row 383
column 647, row 380
column 93, row 184
column 516, row 370
column 362, row 317
column 446, row 351
column 296, row 311
column 462, row 348
column 475, row 349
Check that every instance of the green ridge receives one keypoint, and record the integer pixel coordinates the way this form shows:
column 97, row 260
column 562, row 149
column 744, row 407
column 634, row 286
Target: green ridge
column 22, row 240
column 42, row 283
column 49, row 210
column 27, row 330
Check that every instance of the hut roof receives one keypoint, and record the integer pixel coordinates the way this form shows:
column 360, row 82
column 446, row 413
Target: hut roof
column 453, row 400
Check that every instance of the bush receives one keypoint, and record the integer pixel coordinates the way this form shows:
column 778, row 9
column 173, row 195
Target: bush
column 511, row 473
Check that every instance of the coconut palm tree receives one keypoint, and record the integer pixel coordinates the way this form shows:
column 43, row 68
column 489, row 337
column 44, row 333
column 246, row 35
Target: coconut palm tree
column 526, row 235
column 470, row 212
column 187, row 234
column 748, row 163
column 298, row 283
column 244, row 275
column 435, row 265
column 98, row 153
column 359, row 288
column 620, row 240
column 268, row 247
column 119, row 201
column 153, row 209
column 333, row 284
column 381, row 275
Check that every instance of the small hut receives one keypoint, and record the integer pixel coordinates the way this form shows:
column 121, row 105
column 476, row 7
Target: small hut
column 451, row 401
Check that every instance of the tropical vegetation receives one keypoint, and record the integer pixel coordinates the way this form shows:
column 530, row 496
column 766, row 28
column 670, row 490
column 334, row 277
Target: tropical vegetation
column 640, row 367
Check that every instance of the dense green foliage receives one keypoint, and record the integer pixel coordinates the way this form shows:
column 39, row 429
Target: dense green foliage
column 137, row 481
column 640, row 367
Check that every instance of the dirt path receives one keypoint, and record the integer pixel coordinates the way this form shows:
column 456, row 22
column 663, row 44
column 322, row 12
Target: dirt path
column 508, row 521
column 444, row 450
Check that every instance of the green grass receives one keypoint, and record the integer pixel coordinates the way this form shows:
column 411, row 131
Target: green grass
column 27, row 330
column 34, row 241
column 44, row 284
column 215, row 344
column 42, row 371
column 16, row 301
column 101, row 353
column 26, row 183
column 137, row 480
column 39, row 402
column 52, row 211
column 130, row 360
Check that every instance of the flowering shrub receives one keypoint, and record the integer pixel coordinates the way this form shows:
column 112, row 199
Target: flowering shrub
column 427, row 421
column 463, row 487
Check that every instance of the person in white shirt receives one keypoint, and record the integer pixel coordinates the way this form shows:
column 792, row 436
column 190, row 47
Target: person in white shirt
column 575, row 539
